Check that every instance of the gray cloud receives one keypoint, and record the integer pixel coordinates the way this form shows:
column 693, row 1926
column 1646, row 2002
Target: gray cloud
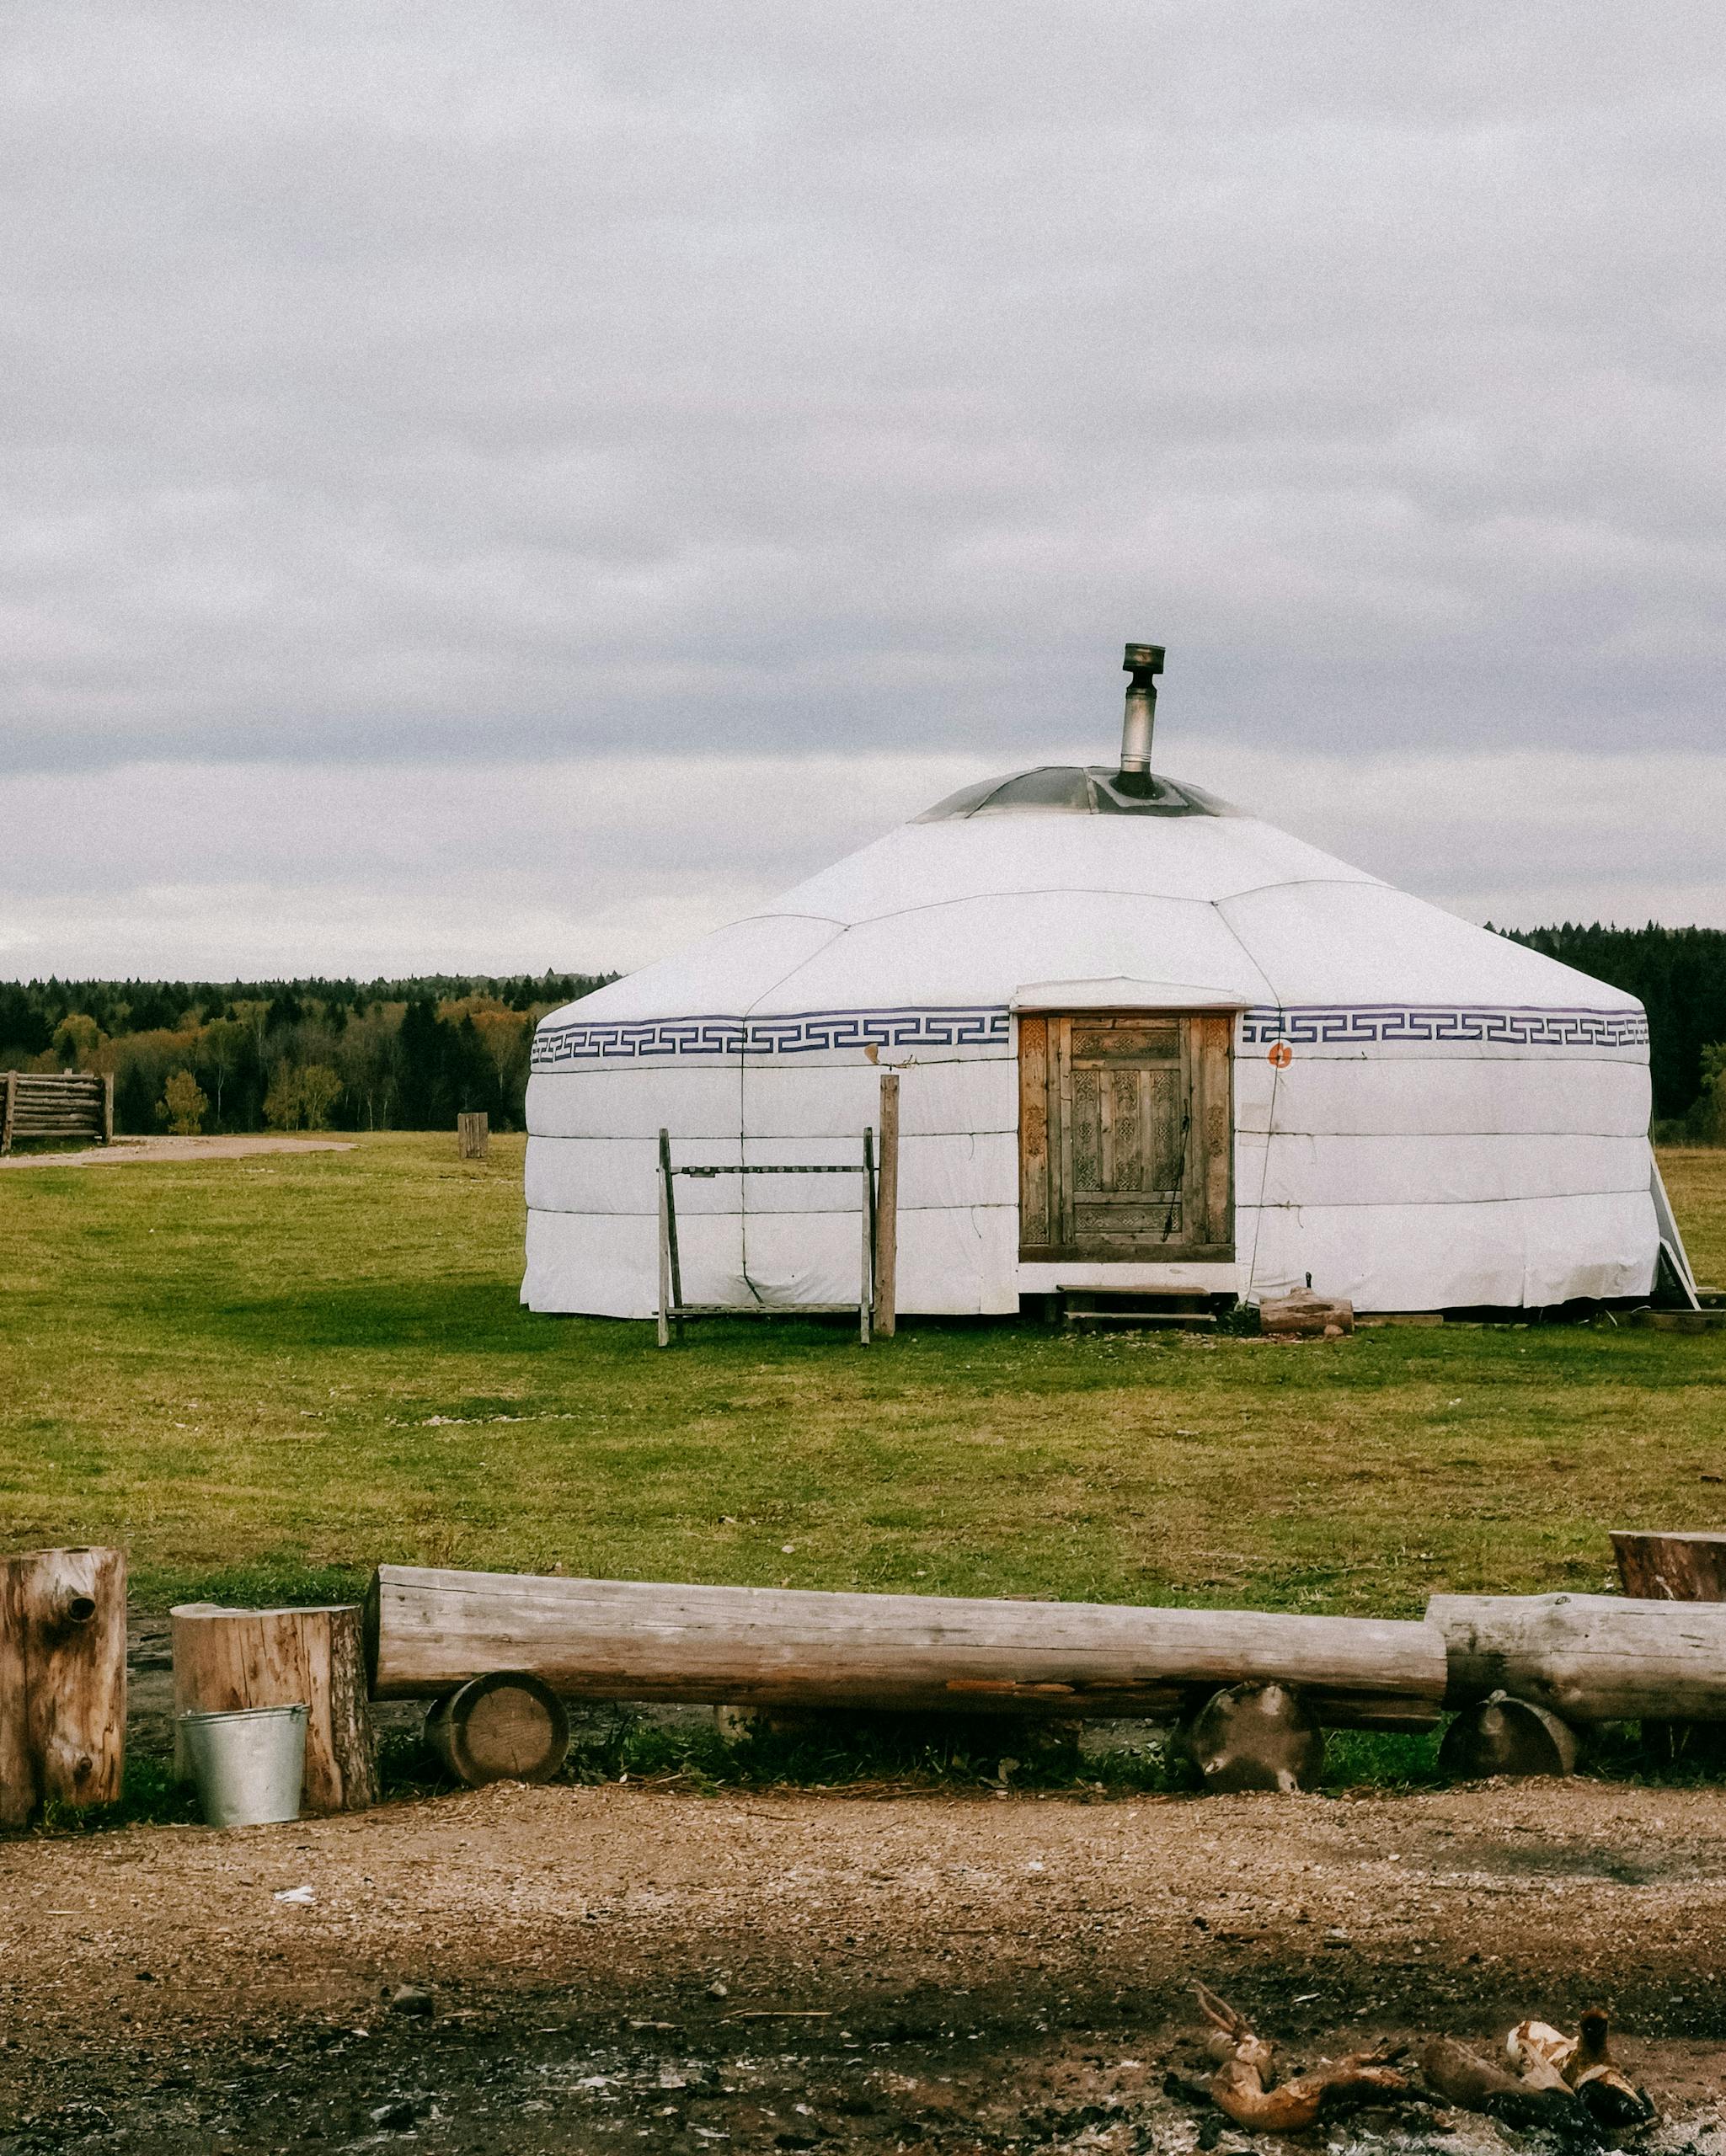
column 427, row 383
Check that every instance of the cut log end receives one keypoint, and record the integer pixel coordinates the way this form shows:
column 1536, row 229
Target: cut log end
column 506, row 1727
column 1255, row 1737
column 1502, row 1735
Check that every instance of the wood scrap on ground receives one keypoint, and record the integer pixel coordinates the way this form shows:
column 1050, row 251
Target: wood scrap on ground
column 1245, row 2086
column 1584, row 2064
column 1569, row 2085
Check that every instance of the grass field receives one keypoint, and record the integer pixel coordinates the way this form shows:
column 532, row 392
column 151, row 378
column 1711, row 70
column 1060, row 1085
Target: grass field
column 268, row 1375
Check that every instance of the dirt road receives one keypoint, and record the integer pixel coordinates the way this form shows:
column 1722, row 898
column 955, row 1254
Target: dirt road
column 143, row 1151
column 612, row 1966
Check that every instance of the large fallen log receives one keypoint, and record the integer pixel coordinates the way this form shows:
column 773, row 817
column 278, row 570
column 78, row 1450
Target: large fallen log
column 1587, row 1658
column 428, row 1631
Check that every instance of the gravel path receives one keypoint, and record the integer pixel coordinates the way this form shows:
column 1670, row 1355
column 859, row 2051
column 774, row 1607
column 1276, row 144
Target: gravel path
column 133, row 1152
column 953, row 1972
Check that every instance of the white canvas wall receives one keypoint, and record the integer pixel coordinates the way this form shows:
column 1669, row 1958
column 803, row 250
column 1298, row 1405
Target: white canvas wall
column 1462, row 1122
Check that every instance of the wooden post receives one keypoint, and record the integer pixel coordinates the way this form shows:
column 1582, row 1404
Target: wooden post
column 866, row 1288
column 671, row 1279
column 474, row 1134
column 9, row 1115
column 62, row 1679
column 887, row 1211
column 225, row 1659
column 107, row 1108
column 430, row 1630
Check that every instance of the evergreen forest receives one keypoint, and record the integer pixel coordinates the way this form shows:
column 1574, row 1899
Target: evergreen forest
column 290, row 1055
column 410, row 1054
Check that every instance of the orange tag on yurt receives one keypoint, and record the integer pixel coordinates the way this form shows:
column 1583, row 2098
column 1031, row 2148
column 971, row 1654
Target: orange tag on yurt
column 1282, row 1055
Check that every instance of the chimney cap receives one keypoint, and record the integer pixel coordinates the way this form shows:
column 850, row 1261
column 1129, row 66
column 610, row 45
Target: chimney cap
column 1143, row 659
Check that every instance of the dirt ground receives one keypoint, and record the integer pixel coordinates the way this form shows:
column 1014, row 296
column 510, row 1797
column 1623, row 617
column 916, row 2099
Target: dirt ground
column 125, row 1151
column 610, row 1965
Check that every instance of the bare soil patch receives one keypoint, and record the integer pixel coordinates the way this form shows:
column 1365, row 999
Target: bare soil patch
column 135, row 1151
column 612, row 1966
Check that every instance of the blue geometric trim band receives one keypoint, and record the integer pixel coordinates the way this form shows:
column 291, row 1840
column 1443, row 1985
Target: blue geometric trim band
column 1316, row 1025
column 597, row 1040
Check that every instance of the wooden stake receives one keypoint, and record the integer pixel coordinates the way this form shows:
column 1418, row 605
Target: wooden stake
column 866, row 1290
column 9, row 1116
column 107, row 1108
column 473, row 1135
column 62, row 1679
column 664, row 1312
column 225, row 1659
column 887, row 1211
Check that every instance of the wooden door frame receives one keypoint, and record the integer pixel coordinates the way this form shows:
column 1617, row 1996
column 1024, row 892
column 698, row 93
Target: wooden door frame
column 1045, row 1138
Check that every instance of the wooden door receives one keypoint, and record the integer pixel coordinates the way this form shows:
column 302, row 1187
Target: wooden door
column 1126, row 1136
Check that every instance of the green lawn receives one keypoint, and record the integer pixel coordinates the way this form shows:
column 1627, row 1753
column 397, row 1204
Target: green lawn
column 269, row 1374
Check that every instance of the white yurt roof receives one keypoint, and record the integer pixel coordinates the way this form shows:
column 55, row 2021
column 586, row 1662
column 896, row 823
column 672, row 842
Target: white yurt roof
column 1050, row 886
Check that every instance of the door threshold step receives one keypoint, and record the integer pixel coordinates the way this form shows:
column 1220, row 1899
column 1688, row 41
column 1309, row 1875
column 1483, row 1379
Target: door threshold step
column 1701, row 1320
column 1176, row 1319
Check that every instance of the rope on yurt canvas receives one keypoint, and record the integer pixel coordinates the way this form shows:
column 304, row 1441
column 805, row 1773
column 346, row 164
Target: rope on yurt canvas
column 1276, row 1079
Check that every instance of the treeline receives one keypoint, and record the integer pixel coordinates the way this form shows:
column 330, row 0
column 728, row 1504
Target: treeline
column 1679, row 975
column 288, row 1055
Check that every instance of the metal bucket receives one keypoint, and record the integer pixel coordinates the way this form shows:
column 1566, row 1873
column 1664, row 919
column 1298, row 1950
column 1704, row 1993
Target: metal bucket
column 248, row 1764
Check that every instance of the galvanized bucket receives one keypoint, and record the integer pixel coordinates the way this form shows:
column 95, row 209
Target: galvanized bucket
column 248, row 1764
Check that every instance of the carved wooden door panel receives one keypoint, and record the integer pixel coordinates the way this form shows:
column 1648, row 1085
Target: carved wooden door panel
column 1126, row 1136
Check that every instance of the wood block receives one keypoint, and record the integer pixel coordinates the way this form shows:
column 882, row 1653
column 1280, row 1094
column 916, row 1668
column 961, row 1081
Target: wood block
column 1303, row 1315
column 1255, row 1737
column 225, row 1659
column 507, row 1726
column 1502, row 1735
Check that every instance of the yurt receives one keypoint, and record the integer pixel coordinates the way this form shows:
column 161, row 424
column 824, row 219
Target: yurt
column 1146, row 1045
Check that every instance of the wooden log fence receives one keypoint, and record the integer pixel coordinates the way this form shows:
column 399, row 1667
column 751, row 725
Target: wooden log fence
column 56, row 1104
column 429, row 1631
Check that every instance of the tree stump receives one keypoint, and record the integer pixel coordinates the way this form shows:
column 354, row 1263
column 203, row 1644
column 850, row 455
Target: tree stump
column 1675, row 1567
column 225, row 1659
column 473, row 1135
column 62, row 1680
column 504, row 1728
column 1502, row 1735
column 1670, row 1567
column 1255, row 1737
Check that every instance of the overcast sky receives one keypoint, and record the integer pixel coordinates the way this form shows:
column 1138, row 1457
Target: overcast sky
column 512, row 486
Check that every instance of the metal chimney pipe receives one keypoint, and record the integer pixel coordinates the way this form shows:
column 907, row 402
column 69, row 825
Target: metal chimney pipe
column 1144, row 662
